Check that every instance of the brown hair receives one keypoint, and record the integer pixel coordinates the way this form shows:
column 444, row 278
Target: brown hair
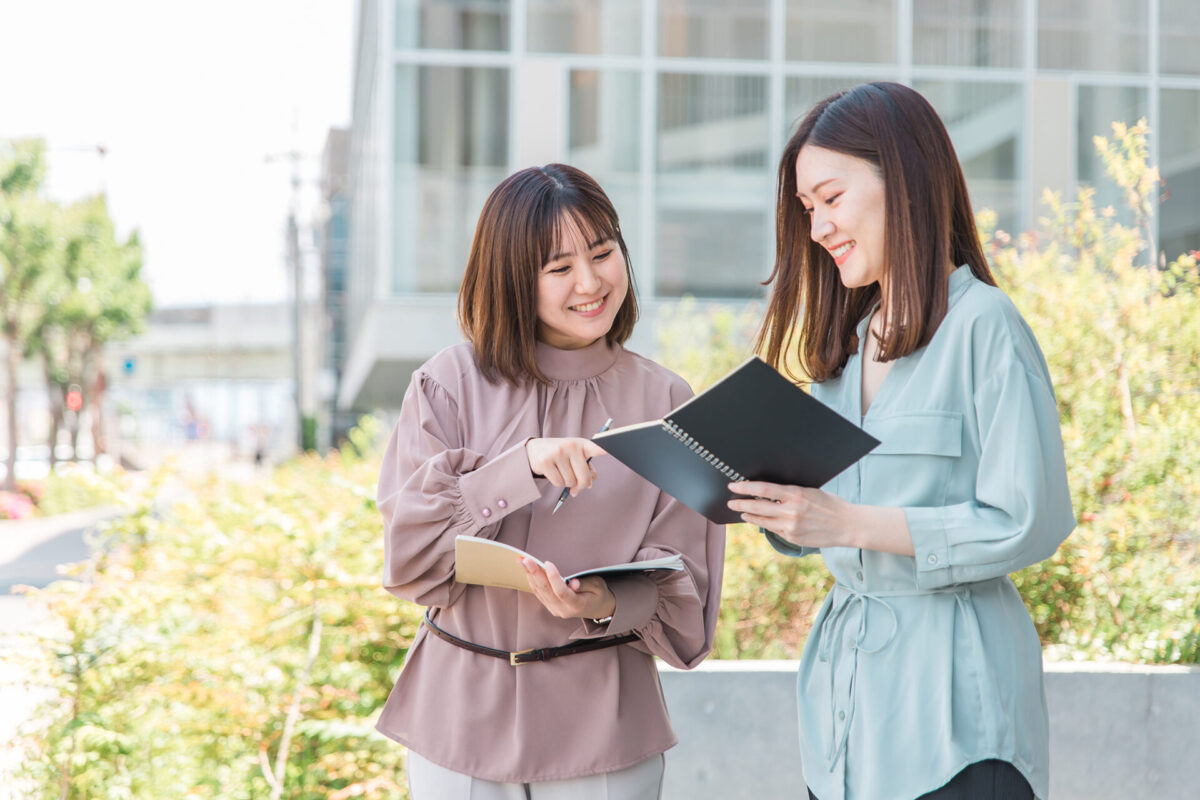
column 520, row 226
column 928, row 224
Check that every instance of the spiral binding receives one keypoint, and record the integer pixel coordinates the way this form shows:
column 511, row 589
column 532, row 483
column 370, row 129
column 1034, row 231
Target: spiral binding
column 702, row 451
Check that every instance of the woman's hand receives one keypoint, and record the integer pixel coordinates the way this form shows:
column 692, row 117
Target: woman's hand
column 813, row 518
column 804, row 517
column 564, row 462
column 588, row 598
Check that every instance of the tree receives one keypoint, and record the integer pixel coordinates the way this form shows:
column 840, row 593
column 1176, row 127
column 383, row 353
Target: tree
column 27, row 250
column 95, row 296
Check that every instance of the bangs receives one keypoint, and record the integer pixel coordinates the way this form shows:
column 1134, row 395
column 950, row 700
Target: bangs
column 573, row 215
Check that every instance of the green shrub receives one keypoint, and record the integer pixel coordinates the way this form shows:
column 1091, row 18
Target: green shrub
column 236, row 644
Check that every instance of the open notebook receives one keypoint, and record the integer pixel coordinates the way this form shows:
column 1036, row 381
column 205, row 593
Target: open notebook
column 753, row 424
column 489, row 563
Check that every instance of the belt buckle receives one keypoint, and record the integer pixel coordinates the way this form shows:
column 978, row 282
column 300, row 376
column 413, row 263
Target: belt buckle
column 512, row 657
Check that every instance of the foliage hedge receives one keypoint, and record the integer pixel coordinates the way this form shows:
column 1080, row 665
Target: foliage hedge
column 234, row 642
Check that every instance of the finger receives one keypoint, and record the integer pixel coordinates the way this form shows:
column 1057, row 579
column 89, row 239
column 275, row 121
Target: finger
column 591, row 449
column 583, row 474
column 761, row 508
column 566, row 469
column 557, row 585
column 766, row 523
column 771, row 491
column 536, row 575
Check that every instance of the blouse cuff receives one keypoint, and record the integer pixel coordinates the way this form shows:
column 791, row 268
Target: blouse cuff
column 637, row 598
column 931, row 547
column 499, row 487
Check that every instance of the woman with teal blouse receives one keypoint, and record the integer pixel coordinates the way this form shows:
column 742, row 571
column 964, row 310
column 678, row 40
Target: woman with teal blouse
column 922, row 676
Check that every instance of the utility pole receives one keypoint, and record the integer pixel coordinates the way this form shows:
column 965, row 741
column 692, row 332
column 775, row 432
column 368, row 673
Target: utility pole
column 301, row 336
column 297, row 270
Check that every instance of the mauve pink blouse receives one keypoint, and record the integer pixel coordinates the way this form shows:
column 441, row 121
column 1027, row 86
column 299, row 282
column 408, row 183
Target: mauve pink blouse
column 456, row 464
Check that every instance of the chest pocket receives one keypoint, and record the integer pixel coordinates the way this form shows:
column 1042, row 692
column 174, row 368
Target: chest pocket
column 916, row 454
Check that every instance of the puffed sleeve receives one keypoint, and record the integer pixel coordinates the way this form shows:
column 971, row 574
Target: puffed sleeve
column 673, row 613
column 432, row 488
column 1021, row 511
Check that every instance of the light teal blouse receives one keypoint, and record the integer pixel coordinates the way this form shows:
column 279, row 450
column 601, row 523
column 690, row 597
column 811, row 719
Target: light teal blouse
column 919, row 666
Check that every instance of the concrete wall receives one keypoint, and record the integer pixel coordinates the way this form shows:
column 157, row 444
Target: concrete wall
column 1116, row 732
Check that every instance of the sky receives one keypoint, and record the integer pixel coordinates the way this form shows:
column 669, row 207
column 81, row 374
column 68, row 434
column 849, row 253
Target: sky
column 196, row 106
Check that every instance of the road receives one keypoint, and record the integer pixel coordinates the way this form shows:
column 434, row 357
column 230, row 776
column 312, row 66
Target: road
column 31, row 552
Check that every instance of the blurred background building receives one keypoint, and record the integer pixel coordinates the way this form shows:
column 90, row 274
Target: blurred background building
column 680, row 108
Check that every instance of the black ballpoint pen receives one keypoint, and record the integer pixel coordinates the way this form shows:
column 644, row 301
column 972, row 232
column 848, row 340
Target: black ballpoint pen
column 566, row 492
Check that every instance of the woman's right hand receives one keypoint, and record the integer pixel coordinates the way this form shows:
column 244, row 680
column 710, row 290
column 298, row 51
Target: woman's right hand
column 564, row 462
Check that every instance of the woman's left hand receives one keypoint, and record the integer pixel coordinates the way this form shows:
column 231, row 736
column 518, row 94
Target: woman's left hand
column 587, row 598
column 804, row 517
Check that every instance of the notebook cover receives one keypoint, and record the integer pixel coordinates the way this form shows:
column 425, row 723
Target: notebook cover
column 754, row 420
column 490, row 563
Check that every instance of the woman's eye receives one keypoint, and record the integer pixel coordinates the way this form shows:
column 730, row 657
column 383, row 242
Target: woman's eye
column 829, row 200
column 806, row 211
column 560, row 270
column 604, row 255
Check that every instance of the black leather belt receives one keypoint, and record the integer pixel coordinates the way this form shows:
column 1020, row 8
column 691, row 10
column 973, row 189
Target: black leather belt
column 533, row 654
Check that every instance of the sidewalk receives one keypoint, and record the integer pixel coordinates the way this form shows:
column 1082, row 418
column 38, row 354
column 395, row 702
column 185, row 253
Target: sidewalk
column 31, row 552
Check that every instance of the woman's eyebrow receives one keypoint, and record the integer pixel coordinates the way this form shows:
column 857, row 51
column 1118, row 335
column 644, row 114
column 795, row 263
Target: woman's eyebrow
column 815, row 188
column 592, row 246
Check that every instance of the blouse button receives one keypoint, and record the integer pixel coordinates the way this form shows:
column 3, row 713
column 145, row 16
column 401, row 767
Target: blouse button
column 502, row 503
column 841, row 715
column 859, row 575
column 932, row 559
column 487, row 512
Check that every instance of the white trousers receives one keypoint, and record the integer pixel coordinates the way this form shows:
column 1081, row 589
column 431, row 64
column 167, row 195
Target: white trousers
column 642, row 781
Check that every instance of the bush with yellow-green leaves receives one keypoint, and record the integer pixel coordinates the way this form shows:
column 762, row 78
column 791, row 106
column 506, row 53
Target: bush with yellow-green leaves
column 234, row 644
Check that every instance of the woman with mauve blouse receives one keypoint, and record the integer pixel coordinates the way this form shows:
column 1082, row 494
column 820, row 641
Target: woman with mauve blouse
column 922, row 676
column 489, row 433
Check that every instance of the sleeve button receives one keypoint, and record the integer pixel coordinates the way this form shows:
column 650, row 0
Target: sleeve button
column 932, row 559
column 487, row 512
column 502, row 503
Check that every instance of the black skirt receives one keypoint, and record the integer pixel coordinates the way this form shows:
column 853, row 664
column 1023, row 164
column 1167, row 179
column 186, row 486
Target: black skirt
column 983, row 780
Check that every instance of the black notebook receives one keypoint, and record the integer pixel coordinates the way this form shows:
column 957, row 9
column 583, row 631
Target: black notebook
column 753, row 424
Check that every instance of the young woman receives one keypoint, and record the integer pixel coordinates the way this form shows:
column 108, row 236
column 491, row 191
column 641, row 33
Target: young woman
column 489, row 433
column 922, row 676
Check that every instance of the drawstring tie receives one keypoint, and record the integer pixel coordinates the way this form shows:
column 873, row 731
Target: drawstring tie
column 836, row 624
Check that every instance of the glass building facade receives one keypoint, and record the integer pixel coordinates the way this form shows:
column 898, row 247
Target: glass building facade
column 680, row 108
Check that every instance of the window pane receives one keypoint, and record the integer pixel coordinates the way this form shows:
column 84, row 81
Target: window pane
column 967, row 33
column 1179, row 150
column 801, row 94
column 985, row 121
column 1179, row 36
column 604, row 141
column 714, row 186
column 452, row 24
column 1099, row 108
column 713, row 28
column 849, row 30
column 449, row 156
column 1093, row 34
column 603, row 27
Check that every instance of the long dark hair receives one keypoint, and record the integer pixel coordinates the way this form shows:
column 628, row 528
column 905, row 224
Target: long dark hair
column 929, row 224
column 519, row 227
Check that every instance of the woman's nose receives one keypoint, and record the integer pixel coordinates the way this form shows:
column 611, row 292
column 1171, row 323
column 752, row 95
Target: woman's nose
column 822, row 227
column 588, row 280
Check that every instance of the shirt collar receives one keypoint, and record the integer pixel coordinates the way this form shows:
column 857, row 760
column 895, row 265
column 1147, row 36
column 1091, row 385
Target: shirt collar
column 576, row 365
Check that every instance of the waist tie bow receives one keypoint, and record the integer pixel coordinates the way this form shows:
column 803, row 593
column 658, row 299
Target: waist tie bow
column 836, row 624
